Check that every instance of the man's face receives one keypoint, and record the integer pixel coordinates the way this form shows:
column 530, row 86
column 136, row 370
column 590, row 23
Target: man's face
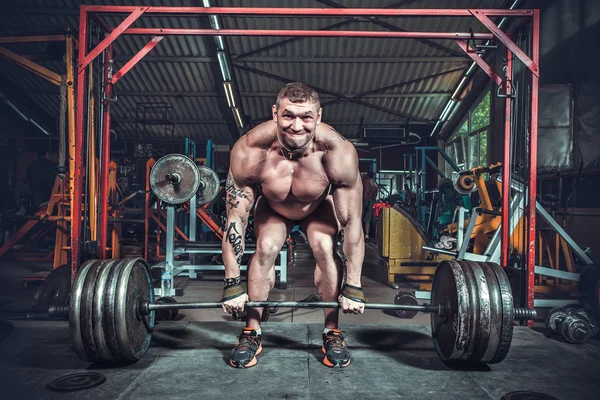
column 296, row 122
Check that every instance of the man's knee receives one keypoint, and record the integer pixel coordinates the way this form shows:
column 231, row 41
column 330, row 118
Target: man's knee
column 322, row 248
column 267, row 250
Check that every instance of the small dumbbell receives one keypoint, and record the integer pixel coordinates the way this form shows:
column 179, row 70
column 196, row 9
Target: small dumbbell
column 555, row 318
column 575, row 329
column 590, row 318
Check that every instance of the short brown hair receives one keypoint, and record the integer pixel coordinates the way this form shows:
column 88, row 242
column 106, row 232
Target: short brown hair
column 298, row 92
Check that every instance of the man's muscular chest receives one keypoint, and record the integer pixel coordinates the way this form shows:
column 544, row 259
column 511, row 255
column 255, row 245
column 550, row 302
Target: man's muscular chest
column 284, row 180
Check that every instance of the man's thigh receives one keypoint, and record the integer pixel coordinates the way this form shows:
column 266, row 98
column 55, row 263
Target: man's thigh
column 322, row 222
column 269, row 225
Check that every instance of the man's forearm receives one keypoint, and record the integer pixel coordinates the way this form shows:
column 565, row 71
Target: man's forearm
column 233, row 247
column 354, row 251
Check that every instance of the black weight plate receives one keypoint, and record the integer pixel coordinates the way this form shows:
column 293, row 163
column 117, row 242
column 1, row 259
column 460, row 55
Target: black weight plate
column 54, row 291
column 589, row 278
column 451, row 331
column 554, row 319
column 87, row 310
column 166, row 315
column 76, row 382
column 110, row 296
column 495, row 312
column 527, row 396
column 134, row 331
column 75, row 307
column 508, row 314
column 406, row 298
column 483, row 310
column 98, row 325
column 162, row 315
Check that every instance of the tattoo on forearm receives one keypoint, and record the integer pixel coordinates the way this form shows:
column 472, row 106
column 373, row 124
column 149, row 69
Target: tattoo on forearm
column 232, row 190
column 233, row 193
column 235, row 239
column 232, row 204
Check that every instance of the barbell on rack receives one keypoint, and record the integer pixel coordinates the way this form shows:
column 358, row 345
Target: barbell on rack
column 175, row 179
column 112, row 311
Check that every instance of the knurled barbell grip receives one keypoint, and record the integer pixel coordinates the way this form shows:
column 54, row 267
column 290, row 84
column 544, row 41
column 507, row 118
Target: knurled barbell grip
column 147, row 307
column 519, row 313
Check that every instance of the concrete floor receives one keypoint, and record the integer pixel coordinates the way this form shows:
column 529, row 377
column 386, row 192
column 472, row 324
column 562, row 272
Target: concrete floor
column 391, row 357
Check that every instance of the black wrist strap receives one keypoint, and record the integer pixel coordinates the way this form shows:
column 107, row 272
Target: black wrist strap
column 227, row 282
column 354, row 293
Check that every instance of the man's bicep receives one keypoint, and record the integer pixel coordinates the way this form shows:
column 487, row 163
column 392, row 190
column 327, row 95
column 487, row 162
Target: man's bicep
column 347, row 200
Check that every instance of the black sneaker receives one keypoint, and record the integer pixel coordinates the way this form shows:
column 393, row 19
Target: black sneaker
column 335, row 350
column 245, row 351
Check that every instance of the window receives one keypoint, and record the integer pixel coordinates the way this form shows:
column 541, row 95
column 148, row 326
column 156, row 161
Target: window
column 468, row 145
column 480, row 116
column 464, row 129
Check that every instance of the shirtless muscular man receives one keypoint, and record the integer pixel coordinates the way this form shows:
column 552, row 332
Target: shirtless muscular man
column 294, row 169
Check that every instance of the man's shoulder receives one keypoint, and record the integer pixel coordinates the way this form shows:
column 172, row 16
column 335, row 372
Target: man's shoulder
column 332, row 142
column 260, row 137
column 248, row 152
column 327, row 133
column 340, row 158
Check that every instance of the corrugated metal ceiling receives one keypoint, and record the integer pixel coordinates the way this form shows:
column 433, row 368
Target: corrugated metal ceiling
column 402, row 78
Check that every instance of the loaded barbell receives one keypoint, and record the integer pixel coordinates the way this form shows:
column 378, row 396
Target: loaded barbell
column 175, row 179
column 112, row 311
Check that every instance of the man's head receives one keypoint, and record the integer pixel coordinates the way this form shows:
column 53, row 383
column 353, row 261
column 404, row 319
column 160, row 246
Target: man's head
column 297, row 113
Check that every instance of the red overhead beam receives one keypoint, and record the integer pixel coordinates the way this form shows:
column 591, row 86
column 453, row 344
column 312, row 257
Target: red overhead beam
column 408, row 12
column 306, row 33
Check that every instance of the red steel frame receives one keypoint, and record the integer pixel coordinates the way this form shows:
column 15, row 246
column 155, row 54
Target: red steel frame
column 506, row 162
column 462, row 39
column 103, row 201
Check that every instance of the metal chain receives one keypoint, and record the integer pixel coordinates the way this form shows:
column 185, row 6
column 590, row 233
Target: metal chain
column 62, row 131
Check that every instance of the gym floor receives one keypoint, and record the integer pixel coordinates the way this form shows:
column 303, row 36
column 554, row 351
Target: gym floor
column 391, row 357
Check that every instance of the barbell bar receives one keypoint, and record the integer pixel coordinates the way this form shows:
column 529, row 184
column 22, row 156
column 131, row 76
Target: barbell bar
column 145, row 308
column 520, row 313
column 148, row 307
